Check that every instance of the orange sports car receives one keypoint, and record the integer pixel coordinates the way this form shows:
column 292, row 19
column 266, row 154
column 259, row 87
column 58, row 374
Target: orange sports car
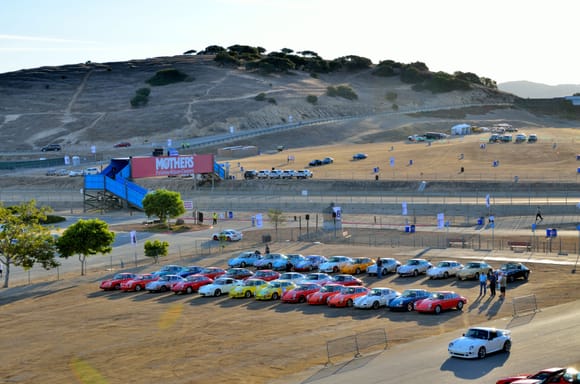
column 346, row 296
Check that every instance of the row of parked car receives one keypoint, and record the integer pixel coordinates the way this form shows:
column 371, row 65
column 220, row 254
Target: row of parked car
column 356, row 265
column 278, row 174
column 507, row 138
column 73, row 172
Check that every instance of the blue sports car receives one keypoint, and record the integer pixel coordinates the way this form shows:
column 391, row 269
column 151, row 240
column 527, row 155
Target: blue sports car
column 406, row 302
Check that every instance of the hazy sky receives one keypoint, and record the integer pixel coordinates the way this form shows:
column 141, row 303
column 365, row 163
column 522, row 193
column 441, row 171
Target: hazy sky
column 505, row 40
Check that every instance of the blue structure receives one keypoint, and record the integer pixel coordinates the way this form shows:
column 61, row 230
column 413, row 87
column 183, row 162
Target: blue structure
column 112, row 188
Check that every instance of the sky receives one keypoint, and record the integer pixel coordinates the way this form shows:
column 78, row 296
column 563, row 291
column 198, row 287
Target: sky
column 505, row 40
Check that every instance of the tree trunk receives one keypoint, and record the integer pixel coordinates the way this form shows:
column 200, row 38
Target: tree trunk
column 6, row 273
column 82, row 259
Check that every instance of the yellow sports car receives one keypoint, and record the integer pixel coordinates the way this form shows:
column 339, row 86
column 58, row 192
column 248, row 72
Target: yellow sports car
column 358, row 265
column 274, row 290
column 248, row 288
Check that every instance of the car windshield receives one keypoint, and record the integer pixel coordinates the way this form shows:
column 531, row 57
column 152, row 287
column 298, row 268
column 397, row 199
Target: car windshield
column 375, row 292
column 335, row 259
column 275, row 285
column 221, row 282
column 195, row 278
column 476, row 334
column 412, row 262
column 348, row 290
column 472, row 265
column 442, row 264
column 408, row 293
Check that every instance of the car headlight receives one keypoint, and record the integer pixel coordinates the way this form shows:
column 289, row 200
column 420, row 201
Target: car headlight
column 471, row 347
column 450, row 344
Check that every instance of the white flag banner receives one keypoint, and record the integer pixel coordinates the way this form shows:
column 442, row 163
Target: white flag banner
column 134, row 237
column 404, row 207
column 259, row 220
column 487, row 203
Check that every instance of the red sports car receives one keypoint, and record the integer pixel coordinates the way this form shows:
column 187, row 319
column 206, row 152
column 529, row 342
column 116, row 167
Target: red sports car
column 212, row 272
column 191, row 284
column 346, row 296
column 551, row 375
column 115, row 282
column 300, row 293
column 347, row 280
column 326, row 292
column 122, row 144
column 238, row 273
column 138, row 283
column 441, row 301
column 266, row 275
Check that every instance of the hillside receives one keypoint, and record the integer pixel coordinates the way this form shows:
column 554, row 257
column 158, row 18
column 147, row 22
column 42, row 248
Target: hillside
column 529, row 89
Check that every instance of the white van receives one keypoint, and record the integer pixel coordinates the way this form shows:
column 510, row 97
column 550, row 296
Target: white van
column 92, row 171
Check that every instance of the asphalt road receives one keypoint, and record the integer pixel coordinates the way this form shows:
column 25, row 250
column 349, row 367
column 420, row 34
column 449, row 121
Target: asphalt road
column 551, row 336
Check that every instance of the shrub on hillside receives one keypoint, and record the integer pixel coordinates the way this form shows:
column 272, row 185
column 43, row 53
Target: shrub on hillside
column 141, row 97
column 391, row 96
column 312, row 99
column 343, row 91
column 167, row 76
column 260, row 97
column 225, row 58
column 442, row 82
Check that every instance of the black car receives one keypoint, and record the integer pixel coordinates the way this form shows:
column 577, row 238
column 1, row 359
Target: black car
column 514, row 271
column 249, row 175
column 315, row 163
column 51, row 148
column 327, row 160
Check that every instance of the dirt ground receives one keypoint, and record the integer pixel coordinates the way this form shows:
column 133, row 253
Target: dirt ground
column 70, row 331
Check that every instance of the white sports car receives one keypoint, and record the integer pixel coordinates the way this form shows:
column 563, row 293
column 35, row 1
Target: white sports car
column 477, row 342
column 220, row 286
column 377, row 297
column 389, row 265
column 413, row 267
column 228, row 235
column 444, row 269
column 334, row 264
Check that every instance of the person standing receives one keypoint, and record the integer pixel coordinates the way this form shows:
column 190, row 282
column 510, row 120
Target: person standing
column 215, row 217
column 502, row 285
column 267, row 250
column 482, row 284
column 492, row 284
column 539, row 215
column 379, row 268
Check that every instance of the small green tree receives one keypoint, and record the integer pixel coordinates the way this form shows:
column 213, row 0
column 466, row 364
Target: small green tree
column 156, row 249
column 85, row 238
column 277, row 217
column 163, row 204
column 23, row 240
column 312, row 99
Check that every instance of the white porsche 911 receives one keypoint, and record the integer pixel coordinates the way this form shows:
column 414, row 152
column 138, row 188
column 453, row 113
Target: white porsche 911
column 477, row 342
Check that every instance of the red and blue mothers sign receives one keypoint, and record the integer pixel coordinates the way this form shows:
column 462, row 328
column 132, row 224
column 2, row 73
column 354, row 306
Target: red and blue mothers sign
column 171, row 165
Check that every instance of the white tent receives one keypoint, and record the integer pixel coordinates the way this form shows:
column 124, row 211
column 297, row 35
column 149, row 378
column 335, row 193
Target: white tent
column 461, row 129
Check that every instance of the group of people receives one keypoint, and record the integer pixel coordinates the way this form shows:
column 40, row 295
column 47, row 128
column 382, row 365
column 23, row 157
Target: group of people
column 495, row 280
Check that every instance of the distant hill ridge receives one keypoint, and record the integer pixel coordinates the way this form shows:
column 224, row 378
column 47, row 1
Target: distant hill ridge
column 529, row 89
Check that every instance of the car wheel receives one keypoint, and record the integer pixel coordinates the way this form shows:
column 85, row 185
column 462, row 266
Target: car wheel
column 460, row 305
column 481, row 353
column 117, row 287
column 217, row 292
column 138, row 288
column 163, row 288
column 302, row 299
column 511, row 279
column 376, row 305
column 445, row 275
column 334, row 269
column 248, row 294
column 215, row 238
column 438, row 309
column 459, row 278
column 357, row 272
column 409, row 307
column 176, row 292
column 269, row 265
column 243, row 264
column 415, row 273
column 507, row 346
column 349, row 303
column 476, row 275
column 189, row 290
column 228, row 238
column 384, row 272
column 526, row 275
column 275, row 296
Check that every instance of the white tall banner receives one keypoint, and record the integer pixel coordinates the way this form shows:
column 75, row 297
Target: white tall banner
column 259, row 220
column 404, row 206
column 487, row 203
column 440, row 220
column 134, row 237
